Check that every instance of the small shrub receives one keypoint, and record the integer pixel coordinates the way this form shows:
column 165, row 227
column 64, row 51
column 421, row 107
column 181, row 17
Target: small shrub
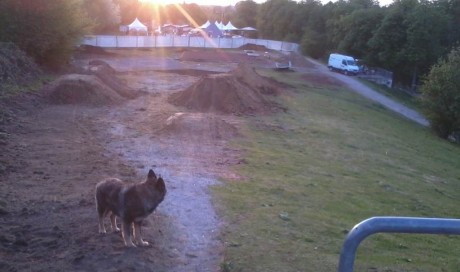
column 441, row 96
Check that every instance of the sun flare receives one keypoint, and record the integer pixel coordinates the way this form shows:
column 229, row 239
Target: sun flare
column 199, row 2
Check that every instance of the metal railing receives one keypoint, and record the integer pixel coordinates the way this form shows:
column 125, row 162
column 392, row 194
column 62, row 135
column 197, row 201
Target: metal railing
column 392, row 225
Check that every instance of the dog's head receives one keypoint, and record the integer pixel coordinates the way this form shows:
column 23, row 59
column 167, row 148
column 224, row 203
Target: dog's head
column 158, row 183
column 151, row 176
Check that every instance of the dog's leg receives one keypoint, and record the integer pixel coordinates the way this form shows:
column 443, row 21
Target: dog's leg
column 113, row 220
column 101, row 224
column 137, row 234
column 126, row 232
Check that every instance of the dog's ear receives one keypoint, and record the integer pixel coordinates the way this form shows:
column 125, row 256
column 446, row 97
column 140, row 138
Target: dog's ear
column 151, row 175
column 161, row 186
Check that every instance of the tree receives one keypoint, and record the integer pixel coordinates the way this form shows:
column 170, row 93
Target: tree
column 390, row 37
column 104, row 13
column 358, row 28
column 441, row 96
column 280, row 20
column 426, row 28
column 314, row 40
column 410, row 39
column 246, row 13
column 46, row 30
column 129, row 10
column 313, row 43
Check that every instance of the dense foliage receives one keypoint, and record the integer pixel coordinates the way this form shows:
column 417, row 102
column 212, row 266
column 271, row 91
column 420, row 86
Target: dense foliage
column 407, row 37
column 441, row 96
column 105, row 14
column 46, row 30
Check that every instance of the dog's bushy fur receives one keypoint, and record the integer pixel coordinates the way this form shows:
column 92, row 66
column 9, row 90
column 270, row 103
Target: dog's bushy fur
column 130, row 202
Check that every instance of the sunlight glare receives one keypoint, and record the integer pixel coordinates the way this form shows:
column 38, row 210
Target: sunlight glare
column 199, row 2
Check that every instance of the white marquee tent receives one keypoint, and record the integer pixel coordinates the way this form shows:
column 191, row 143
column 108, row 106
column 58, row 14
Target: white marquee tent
column 205, row 25
column 229, row 27
column 220, row 25
column 137, row 26
column 249, row 29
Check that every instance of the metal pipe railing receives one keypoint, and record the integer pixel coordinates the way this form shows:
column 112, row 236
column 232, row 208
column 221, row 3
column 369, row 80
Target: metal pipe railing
column 389, row 224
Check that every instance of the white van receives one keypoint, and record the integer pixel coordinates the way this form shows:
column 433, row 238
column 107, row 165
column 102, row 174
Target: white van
column 342, row 63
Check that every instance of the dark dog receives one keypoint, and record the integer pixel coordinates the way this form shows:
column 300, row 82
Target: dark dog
column 130, row 202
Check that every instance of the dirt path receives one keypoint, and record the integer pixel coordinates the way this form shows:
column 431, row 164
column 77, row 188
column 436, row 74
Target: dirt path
column 52, row 157
column 369, row 93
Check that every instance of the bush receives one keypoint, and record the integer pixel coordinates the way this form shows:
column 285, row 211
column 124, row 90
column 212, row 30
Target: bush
column 441, row 96
column 47, row 30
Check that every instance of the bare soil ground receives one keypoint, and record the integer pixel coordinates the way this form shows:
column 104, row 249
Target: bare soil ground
column 61, row 142
column 86, row 127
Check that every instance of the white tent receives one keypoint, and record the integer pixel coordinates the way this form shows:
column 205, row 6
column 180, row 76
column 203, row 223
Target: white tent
column 137, row 26
column 220, row 25
column 229, row 27
column 205, row 25
column 249, row 29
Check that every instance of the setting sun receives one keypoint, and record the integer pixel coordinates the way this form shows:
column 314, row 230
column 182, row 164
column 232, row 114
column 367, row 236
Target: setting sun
column 199, row 2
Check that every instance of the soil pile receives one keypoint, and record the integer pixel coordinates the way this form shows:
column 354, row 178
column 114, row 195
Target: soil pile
column 251, row 46
column 15, row 66
column 108, row 75
column 81, row 89
column 240, row 92
column 199, row 125
column 247, row 75
column 96, row 84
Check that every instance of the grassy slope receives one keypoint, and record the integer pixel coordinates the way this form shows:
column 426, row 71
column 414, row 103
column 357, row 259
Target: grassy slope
column 331, row 161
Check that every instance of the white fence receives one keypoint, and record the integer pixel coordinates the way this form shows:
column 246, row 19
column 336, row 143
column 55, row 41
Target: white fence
column 179, row 41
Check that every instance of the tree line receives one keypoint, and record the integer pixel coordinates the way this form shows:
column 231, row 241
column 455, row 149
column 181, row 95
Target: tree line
column 408, row 37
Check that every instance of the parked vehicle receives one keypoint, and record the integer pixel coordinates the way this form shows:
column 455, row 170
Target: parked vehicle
column 342, row 63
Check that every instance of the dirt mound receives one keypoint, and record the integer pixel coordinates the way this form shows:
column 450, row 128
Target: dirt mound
column 15, row 66
column 95, row 84
column 108, row 75
column 202, row 126
column 250, row 77
column 240, row 92
column 81, row 89
column 251, row 46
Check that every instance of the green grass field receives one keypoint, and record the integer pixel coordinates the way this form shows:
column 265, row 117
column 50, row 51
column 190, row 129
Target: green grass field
column 332, row 160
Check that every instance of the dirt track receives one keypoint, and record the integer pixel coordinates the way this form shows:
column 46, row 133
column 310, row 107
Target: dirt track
column 55, row 154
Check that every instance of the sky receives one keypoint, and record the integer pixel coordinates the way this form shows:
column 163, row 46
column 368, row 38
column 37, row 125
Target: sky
column 233, row 2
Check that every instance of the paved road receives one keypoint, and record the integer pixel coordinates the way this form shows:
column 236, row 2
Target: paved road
column 367, row 92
